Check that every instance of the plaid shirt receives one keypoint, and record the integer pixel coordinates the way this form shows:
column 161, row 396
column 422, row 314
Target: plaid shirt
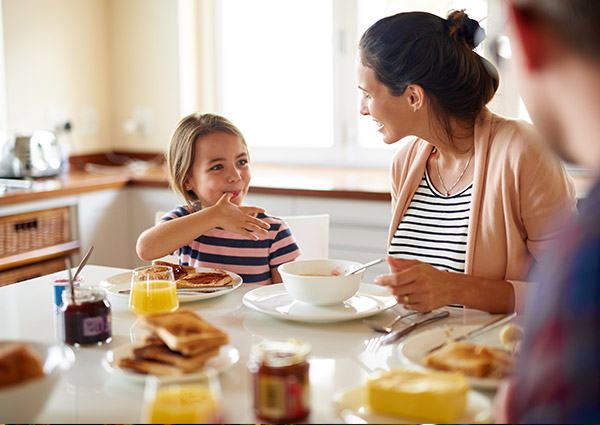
column 558, row 380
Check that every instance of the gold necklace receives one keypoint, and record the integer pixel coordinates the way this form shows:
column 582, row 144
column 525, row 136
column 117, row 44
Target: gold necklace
column 437, row 166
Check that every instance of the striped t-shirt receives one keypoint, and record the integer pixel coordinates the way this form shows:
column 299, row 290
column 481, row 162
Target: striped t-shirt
column 434, row 228
column 252, row 260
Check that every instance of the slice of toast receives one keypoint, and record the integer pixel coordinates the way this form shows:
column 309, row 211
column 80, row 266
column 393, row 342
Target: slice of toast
column 149, row 367
column 204, row 279
column 188, row 350
column 183, row 329
column 164, row 355
column 470, row 359
column 179, row 270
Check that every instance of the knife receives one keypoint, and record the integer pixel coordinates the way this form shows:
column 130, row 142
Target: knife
column 396, row 335
column 190, row 291
column 483, row 329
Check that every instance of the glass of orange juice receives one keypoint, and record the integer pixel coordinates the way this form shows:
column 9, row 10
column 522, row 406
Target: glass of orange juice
column 153, row 290
column 195, row 399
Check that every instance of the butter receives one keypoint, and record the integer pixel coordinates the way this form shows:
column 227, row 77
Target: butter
column 424, row 395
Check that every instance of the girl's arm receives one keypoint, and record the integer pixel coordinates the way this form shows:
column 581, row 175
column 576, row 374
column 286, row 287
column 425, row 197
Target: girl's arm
column 168, row 236
column 275, row 276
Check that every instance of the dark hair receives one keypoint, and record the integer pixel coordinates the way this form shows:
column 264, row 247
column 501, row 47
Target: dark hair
column 576, row 22
column 437, row 54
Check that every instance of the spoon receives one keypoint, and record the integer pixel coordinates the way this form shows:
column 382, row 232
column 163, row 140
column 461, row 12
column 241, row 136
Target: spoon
column 82, row 263
column 71, row 286
column 364, row 266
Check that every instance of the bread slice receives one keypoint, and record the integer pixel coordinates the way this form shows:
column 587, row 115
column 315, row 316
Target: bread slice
column 19, row 362
column 188, row 350
column 183, row 329
column 164, row 355
column 205, row 279
column 149, row 367
column 179, row 270
column 472, row 360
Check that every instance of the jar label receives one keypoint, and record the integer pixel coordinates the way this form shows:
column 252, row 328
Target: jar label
column 282, row 396
column 98, row 325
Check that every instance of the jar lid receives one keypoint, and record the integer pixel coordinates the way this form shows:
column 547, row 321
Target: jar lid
column 280, row 353
column 84, row 294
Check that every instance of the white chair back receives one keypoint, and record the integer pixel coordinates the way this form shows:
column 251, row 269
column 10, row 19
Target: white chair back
column 311, row 233
column 169, row 258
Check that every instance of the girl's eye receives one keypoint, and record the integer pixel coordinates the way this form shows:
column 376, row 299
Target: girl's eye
column 368, row 96
column 216, row 167
column 243, row 162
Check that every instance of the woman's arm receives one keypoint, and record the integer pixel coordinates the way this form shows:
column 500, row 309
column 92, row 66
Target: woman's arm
column 427, row 288
column 165, row 237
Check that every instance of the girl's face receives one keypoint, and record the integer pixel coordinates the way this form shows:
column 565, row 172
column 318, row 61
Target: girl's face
column 220, row 166
column 391, row 113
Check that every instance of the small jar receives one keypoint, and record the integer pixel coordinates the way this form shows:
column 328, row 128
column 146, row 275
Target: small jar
column 86, row 317
column 280, row 379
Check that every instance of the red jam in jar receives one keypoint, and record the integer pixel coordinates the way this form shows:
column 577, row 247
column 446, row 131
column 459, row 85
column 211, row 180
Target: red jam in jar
column 86, row 317
column 280, row 379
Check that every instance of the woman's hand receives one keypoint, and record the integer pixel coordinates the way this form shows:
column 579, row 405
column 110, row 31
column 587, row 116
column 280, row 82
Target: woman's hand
column 417, row 285
column 239, row 219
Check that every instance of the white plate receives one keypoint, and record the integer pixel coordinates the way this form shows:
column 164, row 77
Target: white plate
column 275, row 301
column 416, row 346
column 352, row 407
column 227, row 357
column 121, row 281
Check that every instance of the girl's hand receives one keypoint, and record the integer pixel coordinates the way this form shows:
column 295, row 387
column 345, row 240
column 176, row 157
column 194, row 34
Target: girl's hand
column 417, row 285
column 239, row 219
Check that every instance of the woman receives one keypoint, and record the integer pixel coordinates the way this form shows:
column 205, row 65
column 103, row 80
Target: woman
column 475, row 196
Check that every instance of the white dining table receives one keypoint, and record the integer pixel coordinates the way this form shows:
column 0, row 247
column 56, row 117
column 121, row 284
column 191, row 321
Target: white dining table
column 88, row 393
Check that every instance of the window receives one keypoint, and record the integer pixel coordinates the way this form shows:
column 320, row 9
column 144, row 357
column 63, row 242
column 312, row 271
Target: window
column 286, row 75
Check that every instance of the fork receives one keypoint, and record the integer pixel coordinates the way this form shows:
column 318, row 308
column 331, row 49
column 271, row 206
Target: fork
column 376, row 326
column 377, row 341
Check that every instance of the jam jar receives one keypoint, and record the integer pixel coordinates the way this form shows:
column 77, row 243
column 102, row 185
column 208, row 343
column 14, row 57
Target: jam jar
column 86, row 317
column 280, row 380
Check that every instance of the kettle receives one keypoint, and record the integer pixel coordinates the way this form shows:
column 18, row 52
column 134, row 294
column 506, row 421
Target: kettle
column 30, row 154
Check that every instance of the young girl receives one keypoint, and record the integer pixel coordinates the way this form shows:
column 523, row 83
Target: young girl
column 208, row 166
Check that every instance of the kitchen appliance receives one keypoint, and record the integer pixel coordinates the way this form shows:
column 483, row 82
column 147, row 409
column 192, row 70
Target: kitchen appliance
column 29, row 154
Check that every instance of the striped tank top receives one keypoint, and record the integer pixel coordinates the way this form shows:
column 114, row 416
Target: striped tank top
column 434, row 228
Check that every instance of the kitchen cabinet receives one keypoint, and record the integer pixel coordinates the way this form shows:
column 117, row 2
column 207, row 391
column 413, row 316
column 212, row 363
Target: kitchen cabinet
column 35, row 239
column 112, row 219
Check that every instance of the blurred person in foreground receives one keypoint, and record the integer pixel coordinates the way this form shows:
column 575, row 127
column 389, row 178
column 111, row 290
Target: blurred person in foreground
column 556, row 49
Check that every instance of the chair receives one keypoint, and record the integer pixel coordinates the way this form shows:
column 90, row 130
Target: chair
column 311, row 233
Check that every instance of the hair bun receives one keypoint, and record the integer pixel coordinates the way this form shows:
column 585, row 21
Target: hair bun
column 461, row 27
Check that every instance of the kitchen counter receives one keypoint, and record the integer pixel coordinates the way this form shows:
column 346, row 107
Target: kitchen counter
column 342, row 183
column 292, row 180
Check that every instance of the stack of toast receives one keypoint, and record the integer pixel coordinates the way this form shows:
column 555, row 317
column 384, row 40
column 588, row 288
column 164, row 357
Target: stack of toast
column 479, row 361
column 187, row 277
column 180, row 342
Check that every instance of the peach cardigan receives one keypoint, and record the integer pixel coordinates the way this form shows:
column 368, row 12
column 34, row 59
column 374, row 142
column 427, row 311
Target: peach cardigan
column 521, row 194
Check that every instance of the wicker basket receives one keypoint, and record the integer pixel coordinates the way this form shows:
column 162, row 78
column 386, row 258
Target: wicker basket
column 42, row 268
column 33, row 230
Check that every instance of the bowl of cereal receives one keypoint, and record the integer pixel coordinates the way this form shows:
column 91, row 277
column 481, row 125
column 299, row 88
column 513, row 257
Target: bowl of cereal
column 321, row 282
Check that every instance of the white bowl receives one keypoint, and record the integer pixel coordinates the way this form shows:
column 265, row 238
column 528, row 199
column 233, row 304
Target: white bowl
column 310, row 281
column 22, row 403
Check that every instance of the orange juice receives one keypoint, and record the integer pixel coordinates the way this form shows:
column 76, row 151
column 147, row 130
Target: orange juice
column 184, row 404
column 153, row 297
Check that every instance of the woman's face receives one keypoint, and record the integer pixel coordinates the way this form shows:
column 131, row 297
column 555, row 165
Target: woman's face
column 220, row 166
column 391, row 113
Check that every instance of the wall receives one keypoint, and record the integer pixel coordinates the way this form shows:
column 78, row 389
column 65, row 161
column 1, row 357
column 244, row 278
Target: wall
column 97, row 63
column 57, row 68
